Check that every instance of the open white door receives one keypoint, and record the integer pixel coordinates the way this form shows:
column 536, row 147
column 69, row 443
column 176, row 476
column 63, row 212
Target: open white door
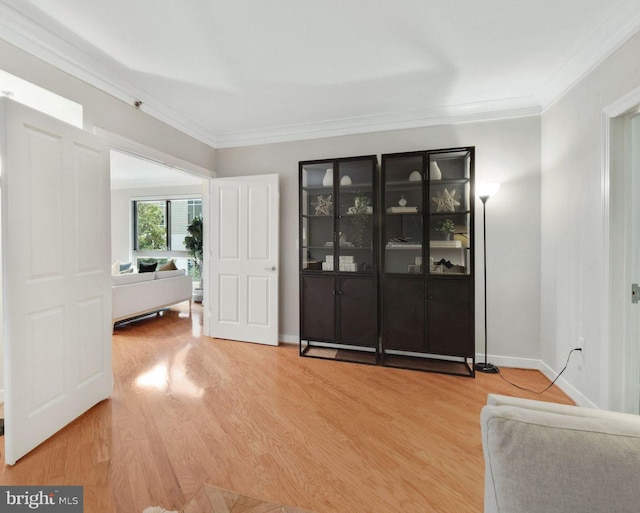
column 242, row 284
column 55, row 275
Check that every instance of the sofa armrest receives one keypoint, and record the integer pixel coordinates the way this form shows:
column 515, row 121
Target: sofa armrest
column 538, row 461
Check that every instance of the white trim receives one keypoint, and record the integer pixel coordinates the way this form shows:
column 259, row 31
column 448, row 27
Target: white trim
column 510, row 361
column 289, row 339
column 68, row 53
column 539, row 365
column 605, row 286
column 614, row 32
column 620, row 107
column 444, row 115
column 573, row 393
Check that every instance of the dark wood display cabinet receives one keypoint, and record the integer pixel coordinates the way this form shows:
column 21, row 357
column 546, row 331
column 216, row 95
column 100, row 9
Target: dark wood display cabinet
column 339, row 259
column 427, row 283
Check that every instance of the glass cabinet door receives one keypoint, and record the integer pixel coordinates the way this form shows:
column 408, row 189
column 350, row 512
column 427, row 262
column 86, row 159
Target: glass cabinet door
column 355, row 228
column 338, row 208
column 317, row 216
column 403, row 212
column 449, row 197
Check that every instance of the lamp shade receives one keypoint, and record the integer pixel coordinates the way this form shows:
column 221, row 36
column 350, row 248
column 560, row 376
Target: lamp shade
column 487, row 189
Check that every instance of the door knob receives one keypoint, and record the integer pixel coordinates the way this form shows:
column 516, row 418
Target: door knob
column 272, row 268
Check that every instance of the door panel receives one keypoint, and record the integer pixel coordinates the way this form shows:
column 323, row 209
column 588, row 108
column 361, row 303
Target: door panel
column 243, row 281
column 449, row 317
column 318, row 295
column 56, row 274
column 404, row 314
column 358, row 313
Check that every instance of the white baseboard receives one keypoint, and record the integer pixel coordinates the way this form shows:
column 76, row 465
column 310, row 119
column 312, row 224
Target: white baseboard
column 288, row 339
column 503, row 361
column 567, row 388
column 531, row 363
column 509, row 361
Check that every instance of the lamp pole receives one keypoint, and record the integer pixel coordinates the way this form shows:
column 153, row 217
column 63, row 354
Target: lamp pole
column 489, row 368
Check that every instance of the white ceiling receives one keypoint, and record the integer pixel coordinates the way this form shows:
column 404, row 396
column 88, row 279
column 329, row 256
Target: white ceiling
column 247, row 71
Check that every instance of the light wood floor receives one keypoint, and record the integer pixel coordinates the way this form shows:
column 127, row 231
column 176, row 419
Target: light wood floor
column 319, row 435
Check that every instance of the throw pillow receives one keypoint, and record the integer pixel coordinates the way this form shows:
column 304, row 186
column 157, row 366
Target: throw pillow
column 169, row 266
column 125, row 267
column 115, row 268
column 147, row 268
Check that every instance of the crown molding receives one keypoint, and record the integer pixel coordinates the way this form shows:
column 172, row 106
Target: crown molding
column 614, row 32
column 66, row 53
column 70, row 54
column 445, row 115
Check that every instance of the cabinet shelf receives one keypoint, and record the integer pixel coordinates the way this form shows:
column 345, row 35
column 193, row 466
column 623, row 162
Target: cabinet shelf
column 354, row 187
column 342, row 248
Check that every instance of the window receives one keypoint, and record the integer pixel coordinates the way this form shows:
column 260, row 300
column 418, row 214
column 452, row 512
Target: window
column 161, row 225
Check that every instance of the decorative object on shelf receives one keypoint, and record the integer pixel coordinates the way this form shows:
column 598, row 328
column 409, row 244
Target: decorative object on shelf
column 345, row 180
column 485, row 191
column 434, row 171
column 402, row 210
column 323, row 205
column 327, row 181
column 445, row 201
column 415, row 176
column 402, row 201
column 361, row 218
column 446, row 227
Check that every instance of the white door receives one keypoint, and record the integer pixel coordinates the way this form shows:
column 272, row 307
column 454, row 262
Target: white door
column 56, row 275
column 242, row 285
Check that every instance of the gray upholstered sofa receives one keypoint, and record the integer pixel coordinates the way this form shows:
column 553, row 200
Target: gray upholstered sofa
column 550, row 458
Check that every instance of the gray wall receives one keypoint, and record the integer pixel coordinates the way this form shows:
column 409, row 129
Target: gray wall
column 573, row 222
column 507, row 151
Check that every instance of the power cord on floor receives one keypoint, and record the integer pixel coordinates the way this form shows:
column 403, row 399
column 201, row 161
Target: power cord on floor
column 552, row 383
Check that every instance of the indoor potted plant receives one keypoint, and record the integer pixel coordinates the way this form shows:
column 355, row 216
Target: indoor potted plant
column 193, row 243
column 446, row 227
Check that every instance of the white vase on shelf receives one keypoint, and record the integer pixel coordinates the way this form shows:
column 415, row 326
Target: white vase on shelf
column 328, row 177
column 434, row 171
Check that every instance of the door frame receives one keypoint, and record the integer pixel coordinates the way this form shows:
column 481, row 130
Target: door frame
column 620, row 349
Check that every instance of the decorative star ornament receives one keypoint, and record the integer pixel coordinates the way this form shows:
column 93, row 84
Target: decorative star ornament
column 323, row 205
column 445, row 201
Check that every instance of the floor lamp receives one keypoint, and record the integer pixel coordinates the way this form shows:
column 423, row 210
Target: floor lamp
column 485, row 191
